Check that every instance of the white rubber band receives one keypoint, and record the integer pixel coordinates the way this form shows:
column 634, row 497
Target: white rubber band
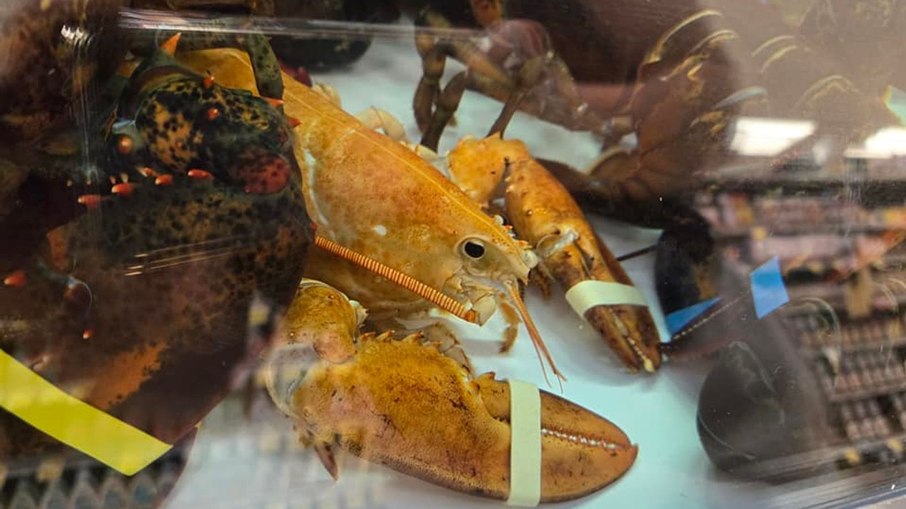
column 590, row 293
column 525, row 444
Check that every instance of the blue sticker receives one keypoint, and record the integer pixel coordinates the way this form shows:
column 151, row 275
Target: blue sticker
column 681, row 317
column 768, row 290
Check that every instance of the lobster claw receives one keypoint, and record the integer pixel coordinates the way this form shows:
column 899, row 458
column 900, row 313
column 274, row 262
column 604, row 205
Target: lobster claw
column 575, row 256
column 544, row 214
column 408, row 405
column 571, row 252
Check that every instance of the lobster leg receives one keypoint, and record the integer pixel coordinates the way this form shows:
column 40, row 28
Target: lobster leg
column 434, row 51
column 446, row 105
column 448, row 102
column 529, row 74
column 433, row 63
column 518, row 68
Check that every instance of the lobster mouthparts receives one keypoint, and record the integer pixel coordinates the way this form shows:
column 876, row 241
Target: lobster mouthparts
column 406, row 405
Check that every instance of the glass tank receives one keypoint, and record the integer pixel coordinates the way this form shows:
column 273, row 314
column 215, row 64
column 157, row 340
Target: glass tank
column 585, row 253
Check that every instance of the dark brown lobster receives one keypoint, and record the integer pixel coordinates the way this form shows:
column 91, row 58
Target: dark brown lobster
column 676, row 75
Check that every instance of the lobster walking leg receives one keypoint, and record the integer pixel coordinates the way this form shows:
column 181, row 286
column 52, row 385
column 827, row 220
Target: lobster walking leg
column 446, row 104
column 517, row 67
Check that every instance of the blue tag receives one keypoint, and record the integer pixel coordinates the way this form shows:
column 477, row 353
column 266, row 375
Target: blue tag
column 768, row 290
column 679, row 318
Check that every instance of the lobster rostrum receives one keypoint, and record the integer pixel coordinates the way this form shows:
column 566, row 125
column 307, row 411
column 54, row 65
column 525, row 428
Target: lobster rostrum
column 133, row 275
column 411, row 406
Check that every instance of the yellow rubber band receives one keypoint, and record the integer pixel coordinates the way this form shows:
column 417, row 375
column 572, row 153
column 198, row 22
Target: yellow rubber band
column 590, row 293
column 73, row 422
column 525, row 444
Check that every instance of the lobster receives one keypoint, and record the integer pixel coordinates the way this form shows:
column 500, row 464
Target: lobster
column 676, row 77
column 145, row 208
column 364, row 216
column 357, row 387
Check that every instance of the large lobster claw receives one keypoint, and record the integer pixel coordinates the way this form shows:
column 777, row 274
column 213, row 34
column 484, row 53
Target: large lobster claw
column 408, row 405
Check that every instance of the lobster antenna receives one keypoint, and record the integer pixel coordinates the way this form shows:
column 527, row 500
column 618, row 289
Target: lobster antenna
column 408, row 282
column 537, row 342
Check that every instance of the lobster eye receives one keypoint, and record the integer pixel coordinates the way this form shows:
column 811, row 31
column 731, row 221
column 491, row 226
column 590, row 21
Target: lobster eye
column 473, row 248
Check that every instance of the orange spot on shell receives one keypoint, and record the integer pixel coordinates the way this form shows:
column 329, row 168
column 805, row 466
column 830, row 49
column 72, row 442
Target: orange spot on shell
column 122, row 189
column 195, row 173
column 90, row 200
column 147, row 172
column 124, row 144
column 164, row 180
column 213, row 113
column 208, row 81
column 276, row 103
column 169, row 46
column 293, row 121
column 87, row 334
column 16, row 279
column 78, row 293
